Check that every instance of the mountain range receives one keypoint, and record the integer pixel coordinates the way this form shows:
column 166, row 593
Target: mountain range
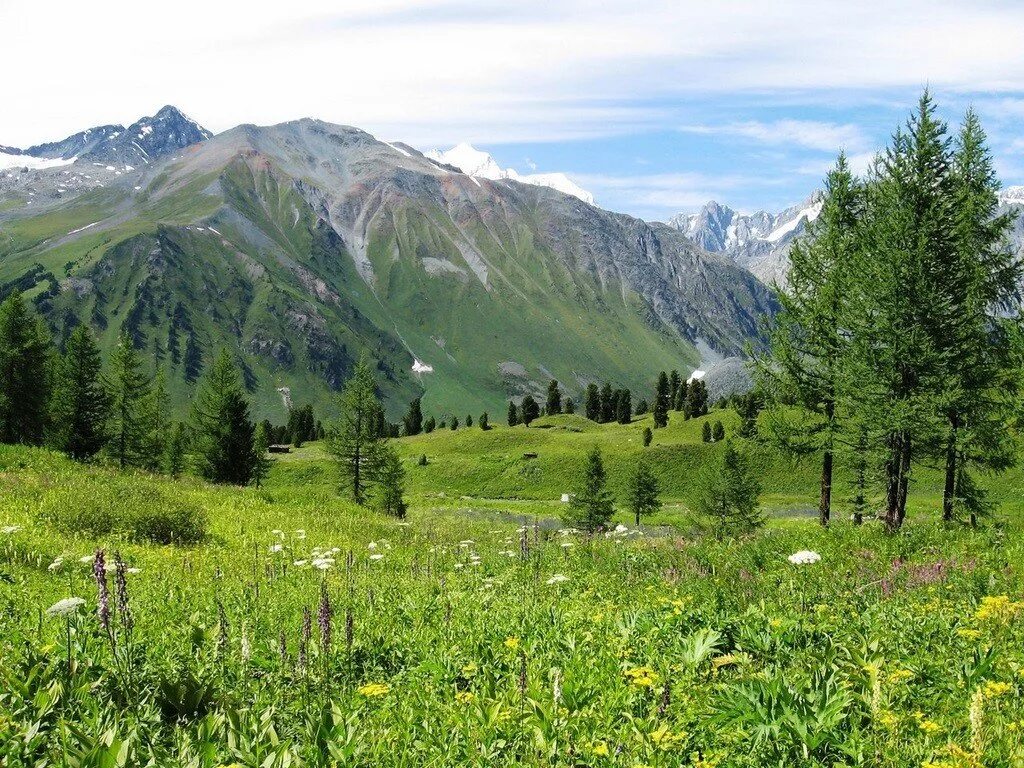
column 303, row 246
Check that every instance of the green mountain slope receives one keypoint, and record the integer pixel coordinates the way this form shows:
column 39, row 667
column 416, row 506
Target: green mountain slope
column 302, row 246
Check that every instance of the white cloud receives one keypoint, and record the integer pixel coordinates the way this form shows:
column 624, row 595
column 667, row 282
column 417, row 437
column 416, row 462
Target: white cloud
column 812, row 134
column 439, row 71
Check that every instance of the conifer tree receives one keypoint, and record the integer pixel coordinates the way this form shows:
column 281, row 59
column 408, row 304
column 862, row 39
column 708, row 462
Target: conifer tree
column 808, row 341
column 24, row 373
column 81, row 403
column 260, row 448
column 593, row 403
column 569, row 406
column 981, row 377
column 717, row 432
column 705, row 432
column 643, row 491
column 355, row 440
column 727, row 495
column 128, row 428
column 429, row 424
column 530, row 410
column 454, row 424
column 413, row 420
column 158, row 421
column 648, row 436
column 624, row 407
column 513, row 414
column 661, row 401
column 469, row 421
column 674, row 382
column 902, row 301
column 642, row 407
column 696, row 399
column 389, row 494
column 174, row 456
column 590, row 508
column 679, row 404
column 221, row 428
column 554, row 402
column 607, row 404
column 483, row 422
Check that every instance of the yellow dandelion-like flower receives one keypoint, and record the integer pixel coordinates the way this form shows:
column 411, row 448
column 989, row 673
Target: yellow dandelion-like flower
column 968, row 634
column 373, row 690
column 512, row 642
column 600, row 749
column 994, row 690
column 642, row 677
column 929, row 726
column 470, row 669
column 465, row 697
column 775, row 623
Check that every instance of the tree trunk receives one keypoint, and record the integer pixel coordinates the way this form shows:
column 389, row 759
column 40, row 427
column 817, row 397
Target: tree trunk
column 949, row 489
column 825, row 502
column 904, row 479
column 892, row 481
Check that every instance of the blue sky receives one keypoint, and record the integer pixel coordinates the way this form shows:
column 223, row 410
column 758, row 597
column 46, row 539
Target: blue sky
column 654, row 106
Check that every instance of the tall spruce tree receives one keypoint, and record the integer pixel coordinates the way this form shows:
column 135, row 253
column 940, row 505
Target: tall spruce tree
column 661, row 401
column 355, row 440
column 554, row 402
column 24, row 373
column 129, row 425
column 222, row 432
column 592, row 406
column 674, row 382
column 808, row 341
column 81, row 402
column 696, row 399
column 679, row 404
column 590, row 507
column 513, row 414
column 177, row 445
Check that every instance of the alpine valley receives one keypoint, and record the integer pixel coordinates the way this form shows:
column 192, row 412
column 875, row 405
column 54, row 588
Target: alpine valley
column 302, row 246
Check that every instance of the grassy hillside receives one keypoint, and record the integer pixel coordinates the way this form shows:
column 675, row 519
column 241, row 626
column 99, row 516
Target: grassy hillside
column 472, row 641
column 491, row 471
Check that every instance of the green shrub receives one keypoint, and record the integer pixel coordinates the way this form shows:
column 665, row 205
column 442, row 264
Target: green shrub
column 123, row 507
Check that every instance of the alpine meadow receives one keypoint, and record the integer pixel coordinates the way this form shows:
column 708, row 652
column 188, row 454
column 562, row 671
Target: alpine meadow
column 322, row 450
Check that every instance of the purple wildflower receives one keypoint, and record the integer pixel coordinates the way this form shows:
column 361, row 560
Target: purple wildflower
column 121, row 592
column 99, row 572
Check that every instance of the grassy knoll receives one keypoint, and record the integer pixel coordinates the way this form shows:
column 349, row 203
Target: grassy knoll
column 458, row 638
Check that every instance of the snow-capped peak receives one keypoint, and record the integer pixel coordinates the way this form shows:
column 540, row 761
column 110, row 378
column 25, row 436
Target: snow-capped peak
column 1011, row 195
column 478, row 163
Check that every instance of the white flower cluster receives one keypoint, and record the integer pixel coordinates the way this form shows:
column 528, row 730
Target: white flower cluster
column 804, row 557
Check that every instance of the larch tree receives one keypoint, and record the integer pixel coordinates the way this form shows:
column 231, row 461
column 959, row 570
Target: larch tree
column 554, row 401
column 592, row 404
column 355, row 440
column 808, row 340
column 591, row 506
column 642, row 492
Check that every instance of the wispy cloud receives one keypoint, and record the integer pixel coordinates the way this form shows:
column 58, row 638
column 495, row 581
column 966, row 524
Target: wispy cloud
column 812, row 134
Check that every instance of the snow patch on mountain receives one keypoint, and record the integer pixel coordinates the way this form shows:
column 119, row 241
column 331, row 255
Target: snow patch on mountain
column 8, row 160
column 479, row 164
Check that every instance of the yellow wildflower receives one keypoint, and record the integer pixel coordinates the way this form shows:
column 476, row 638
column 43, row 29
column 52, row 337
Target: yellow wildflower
column 899, row 675
column 642, row 677
column 994, row 690
column 372, row 690
column 600, row 749
column 929, row 726
column 997, row 609
column 968, row 634
column 470, row 669
column 465, row 697
column 512, row 642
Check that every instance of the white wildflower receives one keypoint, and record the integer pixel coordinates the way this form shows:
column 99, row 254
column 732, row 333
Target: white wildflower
column 10, row 529
column 558, row 578
column 65, row 607
column 377, row 556
column 804, row 557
